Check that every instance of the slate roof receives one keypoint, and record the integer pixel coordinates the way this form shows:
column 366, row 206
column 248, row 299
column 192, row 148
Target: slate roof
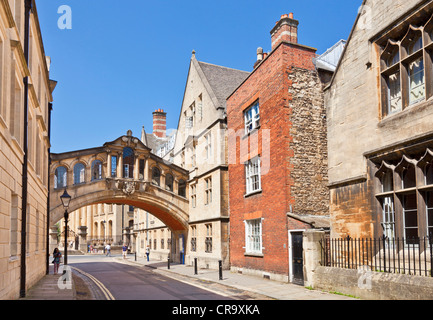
column 222, row 80
column 152, row 141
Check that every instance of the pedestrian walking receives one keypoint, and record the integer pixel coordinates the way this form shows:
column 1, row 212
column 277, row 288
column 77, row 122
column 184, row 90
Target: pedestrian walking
column 108, row 248
column 147, row 252
column 124, row 250
column 56, row 260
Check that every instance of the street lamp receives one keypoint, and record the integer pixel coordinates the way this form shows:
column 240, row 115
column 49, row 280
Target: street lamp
column 66, row 199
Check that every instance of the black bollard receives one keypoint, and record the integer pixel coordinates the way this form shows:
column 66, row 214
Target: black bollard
column 220, row 269
column 135, row 256
column 168, row 263
column 195, row 266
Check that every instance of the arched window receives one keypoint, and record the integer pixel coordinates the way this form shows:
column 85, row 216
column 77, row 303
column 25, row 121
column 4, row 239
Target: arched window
column 128, row 163
column 182, row 188
column 110, row 229
column 96, row 170
column 60, row 178
column 408, row 177
column 156, row 176
column 169, row 182
column 79, row 173
column 387, row 181
column 429, row 174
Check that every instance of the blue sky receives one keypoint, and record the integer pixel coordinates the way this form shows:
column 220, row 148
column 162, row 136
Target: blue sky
column 123, row 59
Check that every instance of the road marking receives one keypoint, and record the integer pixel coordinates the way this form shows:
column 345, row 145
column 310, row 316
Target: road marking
column 104, row 290
column 174, row 277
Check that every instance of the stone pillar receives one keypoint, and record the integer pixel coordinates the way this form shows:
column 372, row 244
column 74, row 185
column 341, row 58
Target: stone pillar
column 136, row 167
column 108, row 174
column 89, row 221
column 82, row 233
column 53, row 239
column 312, row 253
column 146, row 169
column 120, row 165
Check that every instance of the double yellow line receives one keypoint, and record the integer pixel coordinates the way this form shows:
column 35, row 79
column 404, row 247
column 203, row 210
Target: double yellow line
column 105, row 291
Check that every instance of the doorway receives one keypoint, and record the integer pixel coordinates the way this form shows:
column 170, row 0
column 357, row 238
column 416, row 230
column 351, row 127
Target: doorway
column 296, row 257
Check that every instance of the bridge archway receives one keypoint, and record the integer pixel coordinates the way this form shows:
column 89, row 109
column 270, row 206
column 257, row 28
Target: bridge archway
column 121, row 172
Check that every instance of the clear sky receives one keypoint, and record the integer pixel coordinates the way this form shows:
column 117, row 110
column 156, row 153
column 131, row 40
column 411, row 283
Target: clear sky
column 121, row 60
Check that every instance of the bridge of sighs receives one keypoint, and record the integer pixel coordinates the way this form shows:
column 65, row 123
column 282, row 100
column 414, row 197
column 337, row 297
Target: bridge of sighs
column 123, row 171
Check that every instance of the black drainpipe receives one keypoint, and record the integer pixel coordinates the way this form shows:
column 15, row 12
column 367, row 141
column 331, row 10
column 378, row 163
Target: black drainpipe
column 28, row 7
column 50, row 109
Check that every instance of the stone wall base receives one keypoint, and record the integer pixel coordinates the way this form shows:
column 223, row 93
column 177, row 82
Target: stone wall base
column 373, row 285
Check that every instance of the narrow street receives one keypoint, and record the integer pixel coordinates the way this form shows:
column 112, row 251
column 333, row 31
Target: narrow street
column 119, row 281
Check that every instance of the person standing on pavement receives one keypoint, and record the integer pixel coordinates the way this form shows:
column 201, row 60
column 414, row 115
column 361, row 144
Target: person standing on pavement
column 147, row 252
column 124, row 250
column 56, row 260
column 108, row 248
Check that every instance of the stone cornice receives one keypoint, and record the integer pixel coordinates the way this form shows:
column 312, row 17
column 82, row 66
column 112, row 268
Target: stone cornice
column 10, row 18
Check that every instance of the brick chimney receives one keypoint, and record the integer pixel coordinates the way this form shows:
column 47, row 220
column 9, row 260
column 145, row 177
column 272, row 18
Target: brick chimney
column 285, row 30
column 159, row 123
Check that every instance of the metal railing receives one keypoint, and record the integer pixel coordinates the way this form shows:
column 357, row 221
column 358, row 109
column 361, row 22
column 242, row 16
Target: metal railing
column 398, row 255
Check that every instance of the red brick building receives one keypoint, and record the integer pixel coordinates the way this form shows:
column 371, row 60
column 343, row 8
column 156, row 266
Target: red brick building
column 277, row 158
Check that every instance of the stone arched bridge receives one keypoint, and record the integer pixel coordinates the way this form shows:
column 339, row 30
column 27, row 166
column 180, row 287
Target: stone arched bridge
column 123, row 172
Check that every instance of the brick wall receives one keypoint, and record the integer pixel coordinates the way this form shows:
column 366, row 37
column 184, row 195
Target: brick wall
column 288, row 117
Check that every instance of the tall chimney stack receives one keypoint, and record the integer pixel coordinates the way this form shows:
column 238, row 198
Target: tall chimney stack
column 285, row 30
column 159, row 123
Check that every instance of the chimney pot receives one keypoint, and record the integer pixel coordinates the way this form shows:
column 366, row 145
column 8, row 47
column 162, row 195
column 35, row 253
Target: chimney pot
column 286, row 30
column 259, row 54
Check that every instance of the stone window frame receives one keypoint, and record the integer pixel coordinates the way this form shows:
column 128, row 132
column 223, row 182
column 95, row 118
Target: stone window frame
column 169, row 182
column 156, row 176
column 114, row 162
column 395, row 203
column 182, row 188
column 128, row 163
column 194, row 195
column 208, row 190
column 208, row 239
column 96, row 170
column 193, row 238
column 82, row 173
column 57, row 179
column 208, row 146
column 396, row 58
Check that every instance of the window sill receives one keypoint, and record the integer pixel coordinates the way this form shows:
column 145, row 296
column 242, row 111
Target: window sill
column 251, row 132
column 413, row 108
column 252, row 193
column 251, row 254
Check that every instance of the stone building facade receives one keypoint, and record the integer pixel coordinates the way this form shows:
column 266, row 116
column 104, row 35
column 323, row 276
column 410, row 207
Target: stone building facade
column 277, row 158
column 379, row 113
column 25, row 107
column 201, row 148
column 120, row 224
column 199, row 145
column 104, row 223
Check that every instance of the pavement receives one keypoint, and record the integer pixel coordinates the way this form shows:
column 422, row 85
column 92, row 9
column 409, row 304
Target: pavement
column 252, row 287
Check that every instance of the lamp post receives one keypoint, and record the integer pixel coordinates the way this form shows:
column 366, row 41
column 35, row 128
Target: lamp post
column 66, row 199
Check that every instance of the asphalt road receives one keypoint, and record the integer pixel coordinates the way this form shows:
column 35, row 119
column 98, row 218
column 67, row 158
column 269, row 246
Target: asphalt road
column 125, row 282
